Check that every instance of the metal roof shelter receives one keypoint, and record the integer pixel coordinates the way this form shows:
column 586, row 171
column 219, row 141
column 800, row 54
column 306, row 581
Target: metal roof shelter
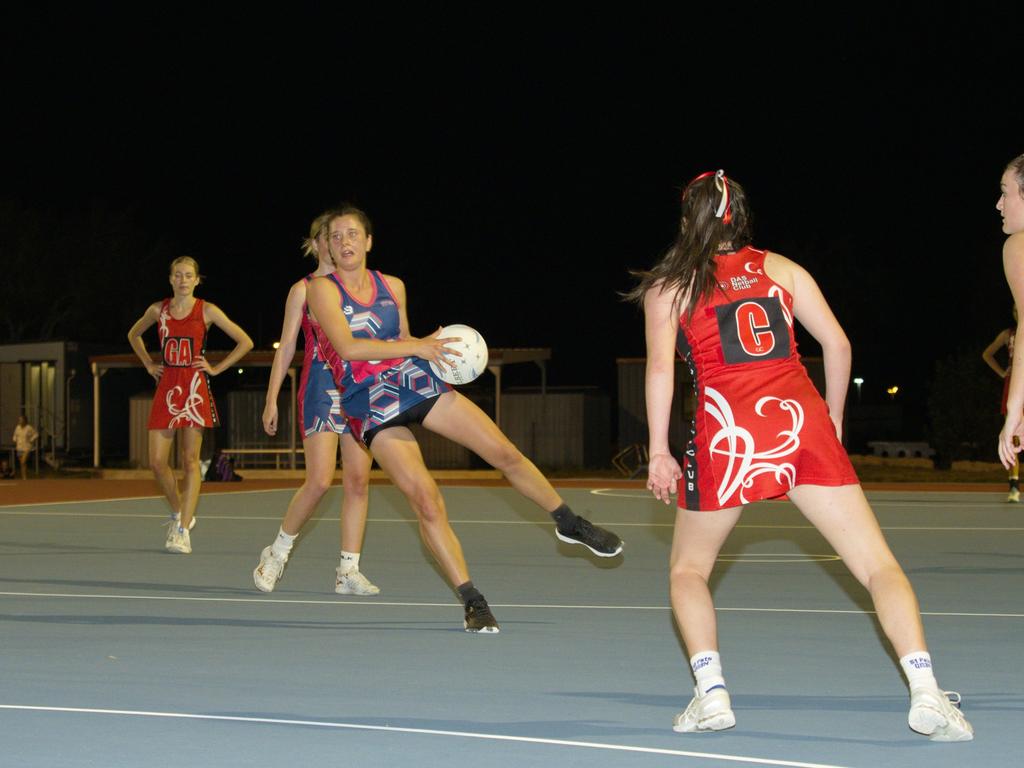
column 100, row 364
column 497, row 359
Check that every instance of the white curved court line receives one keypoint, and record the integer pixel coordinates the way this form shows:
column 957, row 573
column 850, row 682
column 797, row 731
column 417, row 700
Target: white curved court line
column 527, row 606
column 624, row 493
column 773, row 557
column 421, row 732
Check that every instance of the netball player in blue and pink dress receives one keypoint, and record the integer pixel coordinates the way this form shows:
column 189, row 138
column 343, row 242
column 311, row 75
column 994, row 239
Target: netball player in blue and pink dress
column 760, row 431
column 361, row 325
column 183, row 402
column 323, row 426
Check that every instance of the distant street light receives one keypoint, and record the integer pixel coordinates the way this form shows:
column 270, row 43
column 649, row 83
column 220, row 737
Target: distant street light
column 858, row 381
column 892, row 392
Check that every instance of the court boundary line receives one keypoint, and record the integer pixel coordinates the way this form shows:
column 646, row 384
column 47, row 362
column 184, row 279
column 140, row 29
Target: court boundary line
column 597, row 491
column 539, row 521
column 422, row 732
column 145, row 498
column 641, row 492
column 525, row 606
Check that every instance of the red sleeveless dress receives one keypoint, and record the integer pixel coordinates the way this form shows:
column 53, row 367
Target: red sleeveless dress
column 183, row 397
column 760, row 426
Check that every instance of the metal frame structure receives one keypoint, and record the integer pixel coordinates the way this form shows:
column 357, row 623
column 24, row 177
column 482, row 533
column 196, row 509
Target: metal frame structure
column 497, row 359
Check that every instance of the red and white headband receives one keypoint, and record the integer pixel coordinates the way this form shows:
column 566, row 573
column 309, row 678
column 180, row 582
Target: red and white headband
column 724, row 210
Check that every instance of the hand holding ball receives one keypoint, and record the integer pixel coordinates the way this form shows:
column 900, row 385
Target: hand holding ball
column 473, row 361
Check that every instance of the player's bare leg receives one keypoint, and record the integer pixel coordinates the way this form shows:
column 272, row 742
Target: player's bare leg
column 398, row 454
column 460, row 420
column 160, row 443
column 845, row 519
column 696, row 541
column 192, row 443
column 321, row 456
column 355, row 471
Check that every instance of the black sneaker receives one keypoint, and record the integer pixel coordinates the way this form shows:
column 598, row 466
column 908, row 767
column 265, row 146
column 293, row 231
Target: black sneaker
column 599, row 541
column 479, row 617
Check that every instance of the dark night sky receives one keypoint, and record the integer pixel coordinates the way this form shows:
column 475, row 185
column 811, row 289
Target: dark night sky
column 517, row 166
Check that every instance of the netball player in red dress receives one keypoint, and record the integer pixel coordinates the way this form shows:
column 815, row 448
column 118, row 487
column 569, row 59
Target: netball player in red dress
column 1011, row 207
column 183, row 402
column 323, row 427
column 760, row 431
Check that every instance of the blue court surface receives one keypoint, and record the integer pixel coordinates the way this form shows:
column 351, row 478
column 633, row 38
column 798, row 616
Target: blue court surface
column 116, row 653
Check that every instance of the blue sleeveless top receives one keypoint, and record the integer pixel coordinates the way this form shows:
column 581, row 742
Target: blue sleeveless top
column 375, row 391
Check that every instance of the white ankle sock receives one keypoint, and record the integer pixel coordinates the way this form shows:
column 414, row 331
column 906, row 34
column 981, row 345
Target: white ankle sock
column 917, row 667
column 707, row 669
column 349, row 562
column 282, row 546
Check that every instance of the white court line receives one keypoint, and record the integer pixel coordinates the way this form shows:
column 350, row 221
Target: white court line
column 144, row 498
column 204, row 517
column 773, row 557
column 204, row 493
column 422, row 732
column 950, row 528
column 989, row 497
column 643, row 494
column 528, row 606
column 611, row 524
column 630, row 493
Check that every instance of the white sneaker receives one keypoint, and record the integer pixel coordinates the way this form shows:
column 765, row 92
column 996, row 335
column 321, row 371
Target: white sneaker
column 937, row 714
column 178, row 541
column 354, row 583
column 710, row 712
column 176, row 518
column 269, row 570
column 1013, row 496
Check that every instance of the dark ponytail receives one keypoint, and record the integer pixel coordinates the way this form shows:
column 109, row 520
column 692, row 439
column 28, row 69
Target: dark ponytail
column 715, row 216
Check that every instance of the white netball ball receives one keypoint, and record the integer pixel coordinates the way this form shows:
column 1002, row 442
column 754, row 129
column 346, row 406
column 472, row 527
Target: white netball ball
column 473, row 361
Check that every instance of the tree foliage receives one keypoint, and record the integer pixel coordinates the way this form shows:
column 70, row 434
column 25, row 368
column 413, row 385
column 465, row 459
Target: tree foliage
column 74, row 274
column 963, row 409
